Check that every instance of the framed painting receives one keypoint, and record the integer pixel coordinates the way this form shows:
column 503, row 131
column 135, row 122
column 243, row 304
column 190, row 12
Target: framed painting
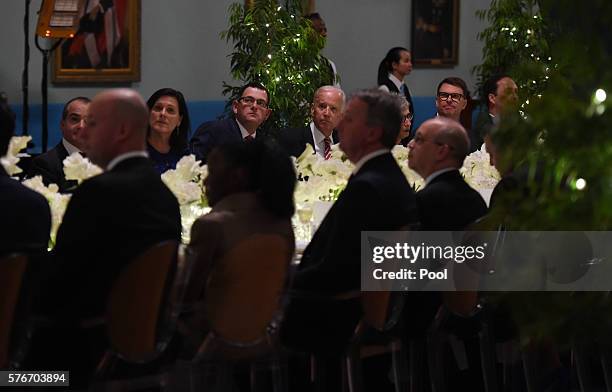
column 435, row 33
column 106, row 47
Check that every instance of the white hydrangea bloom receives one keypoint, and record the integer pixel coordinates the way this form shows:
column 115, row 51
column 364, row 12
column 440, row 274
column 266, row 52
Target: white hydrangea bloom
column 12, row 157
column 478, row 171
column 78, row 168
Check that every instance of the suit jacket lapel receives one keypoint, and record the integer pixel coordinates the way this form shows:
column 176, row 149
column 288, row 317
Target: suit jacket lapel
column 236, row 129
column 308, row 137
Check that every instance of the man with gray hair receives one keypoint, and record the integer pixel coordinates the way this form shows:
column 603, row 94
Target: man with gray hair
column 326, row 110
column 377, row 197
column 437, row 153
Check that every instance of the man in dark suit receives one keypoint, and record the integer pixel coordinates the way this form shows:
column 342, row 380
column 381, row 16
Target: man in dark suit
column 50, row 164
column 318, row 24
column 377, row 197
column 111, row 219
column 25, row 215
column 501, row 94
column 250, row 111
column 326, row 111
column 446, row 203
column 437, row 153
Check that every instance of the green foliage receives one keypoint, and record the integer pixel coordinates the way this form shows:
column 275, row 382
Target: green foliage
column 516, row 42
column 565, row 136
column 562, row 128
column 275, row 46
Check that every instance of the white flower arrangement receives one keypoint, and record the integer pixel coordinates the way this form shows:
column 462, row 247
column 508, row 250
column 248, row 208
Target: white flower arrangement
column 400, row 153
column 321, row 179
column 57, row 201
column 186, row 183
column 12, row 157
column 78, row 168
column 478, row 171
column 186, row 180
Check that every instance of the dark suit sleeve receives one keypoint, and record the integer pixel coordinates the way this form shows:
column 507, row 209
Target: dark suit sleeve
column 47, row 169
column 334, row 266
column 203, row 141
column 294, row 140
column 62, row 277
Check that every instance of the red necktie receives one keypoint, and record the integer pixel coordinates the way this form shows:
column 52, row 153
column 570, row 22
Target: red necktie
column 327, row 149
column 249, row 138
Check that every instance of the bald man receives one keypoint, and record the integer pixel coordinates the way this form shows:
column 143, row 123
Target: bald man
column 110, row 220
column 437, row 152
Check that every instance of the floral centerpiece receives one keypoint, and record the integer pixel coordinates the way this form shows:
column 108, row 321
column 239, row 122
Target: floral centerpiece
column 57, row 202
column 400, row 153
column 13, row 155
column 186, row 183
column 78, row 168
column 322, row 180
column 478, row 171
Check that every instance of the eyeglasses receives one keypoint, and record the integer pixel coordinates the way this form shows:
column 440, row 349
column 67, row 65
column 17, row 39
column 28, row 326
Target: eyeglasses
column 250, row 101
column 408, row 117
column 455, row 97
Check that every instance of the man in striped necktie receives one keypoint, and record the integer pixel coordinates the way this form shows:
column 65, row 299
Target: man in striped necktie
column 326, row 111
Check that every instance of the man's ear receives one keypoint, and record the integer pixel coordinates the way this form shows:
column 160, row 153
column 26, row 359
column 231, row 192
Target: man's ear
column 235, row 106
column 268, row 112
column 374, row 134
column 491, row 98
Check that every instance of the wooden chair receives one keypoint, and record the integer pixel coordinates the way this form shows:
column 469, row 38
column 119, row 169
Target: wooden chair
column 12, row 270
column 139, row 318
column 242, row 305
column 381, row 310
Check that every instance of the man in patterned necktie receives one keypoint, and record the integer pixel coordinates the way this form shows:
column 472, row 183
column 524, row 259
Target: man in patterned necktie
column 326, row 110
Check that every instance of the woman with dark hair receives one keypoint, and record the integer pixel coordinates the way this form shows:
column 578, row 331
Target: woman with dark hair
column 169, row 128
column 392, row 70
column 250, row 189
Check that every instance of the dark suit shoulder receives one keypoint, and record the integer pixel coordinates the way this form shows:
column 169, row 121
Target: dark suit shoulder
column 26, row 215
column 386, row 179
column 213, row 133
column 294, row 140
column 449, row 203
column 50, row 164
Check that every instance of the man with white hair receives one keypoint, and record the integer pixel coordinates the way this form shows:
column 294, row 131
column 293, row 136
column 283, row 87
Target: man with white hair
column 321, row 134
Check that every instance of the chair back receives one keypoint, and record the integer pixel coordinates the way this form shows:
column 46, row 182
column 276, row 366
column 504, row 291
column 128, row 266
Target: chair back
column 136, row 300
column 381, row 309
column 12, row 270
column 244, row 288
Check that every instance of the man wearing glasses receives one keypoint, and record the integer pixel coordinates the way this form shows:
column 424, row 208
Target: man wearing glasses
column 250, row 111
column 451, row 98
column 436, row 153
